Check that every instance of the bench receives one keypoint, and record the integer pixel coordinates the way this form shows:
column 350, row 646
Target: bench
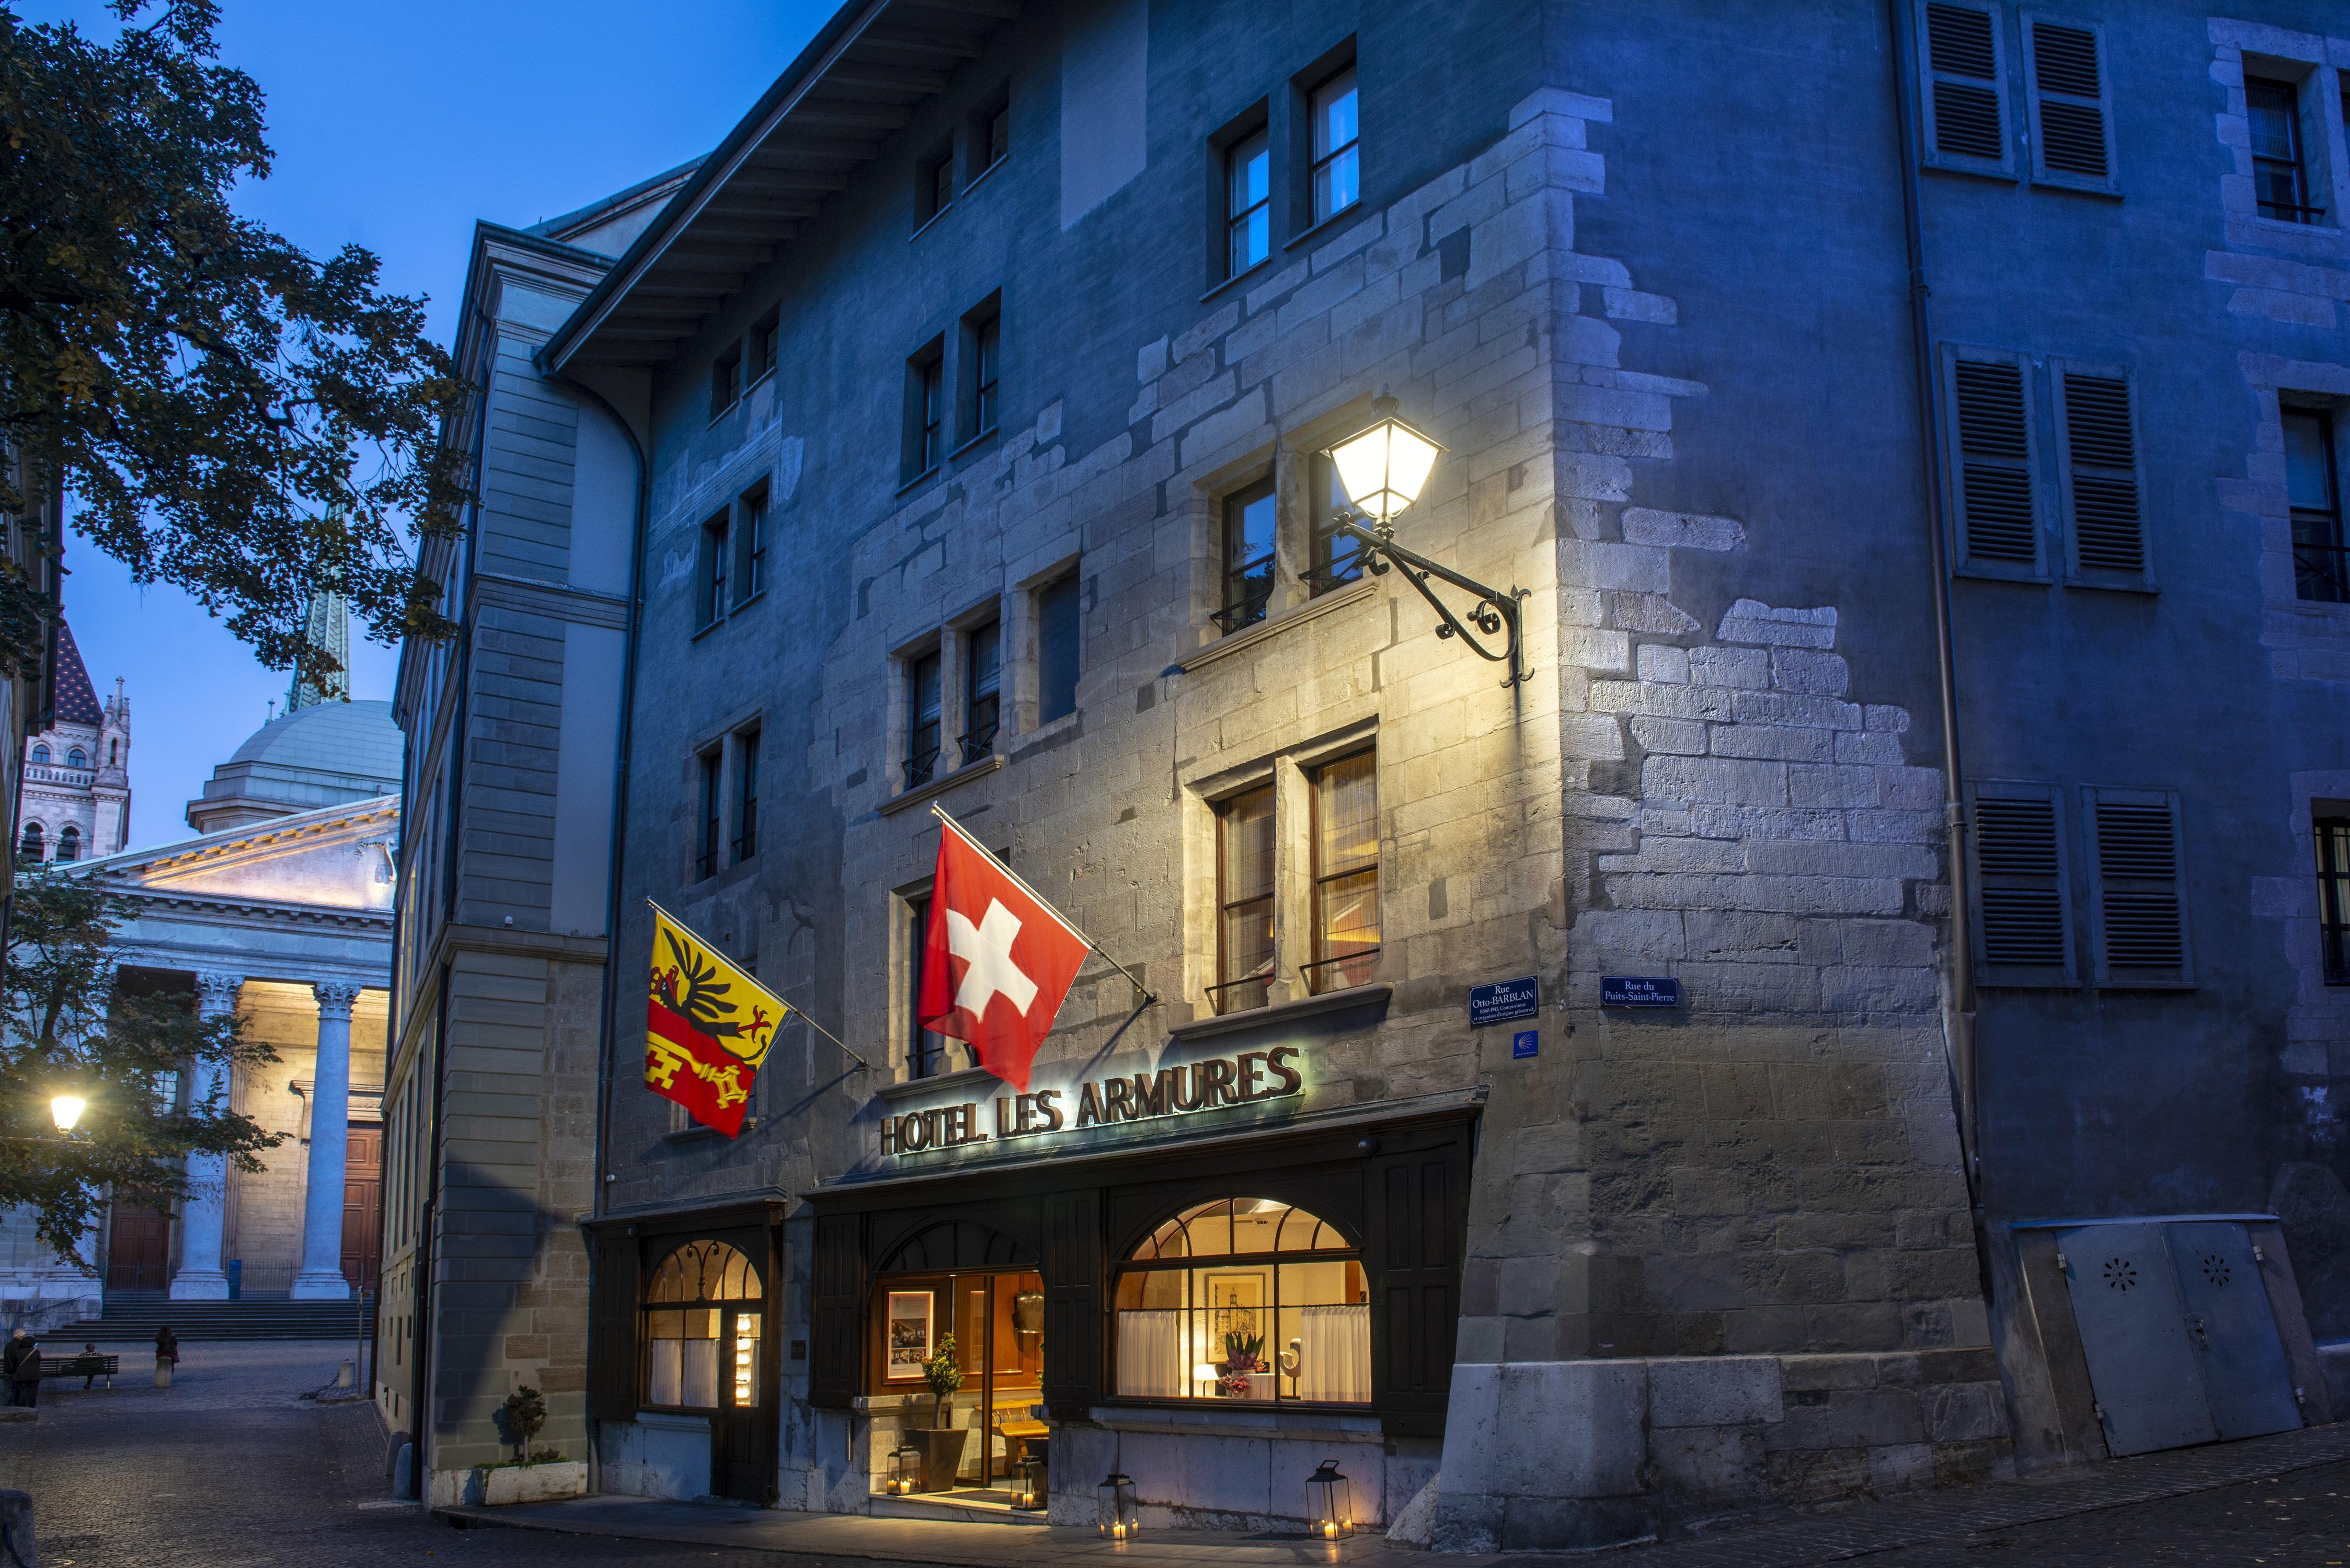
column 104, row 1366
column 1017, row 1427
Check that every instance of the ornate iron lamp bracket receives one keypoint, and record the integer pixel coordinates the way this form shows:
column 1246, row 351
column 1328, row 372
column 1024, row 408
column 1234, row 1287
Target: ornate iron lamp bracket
column 1495, row 612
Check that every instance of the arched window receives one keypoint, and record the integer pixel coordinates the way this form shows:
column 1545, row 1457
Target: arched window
column 29, row 846
column 69, row 844
column 76, row 758
column 1245, row 1299
column 41, row 755
column 113, row 753
column 700, row 1316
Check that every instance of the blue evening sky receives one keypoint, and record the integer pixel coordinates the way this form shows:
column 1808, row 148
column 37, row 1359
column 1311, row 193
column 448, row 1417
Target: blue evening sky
column 395, row 126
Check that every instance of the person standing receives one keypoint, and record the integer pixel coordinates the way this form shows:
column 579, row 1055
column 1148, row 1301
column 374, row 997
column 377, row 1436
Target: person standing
column 22, row 1363
column 167, row 1356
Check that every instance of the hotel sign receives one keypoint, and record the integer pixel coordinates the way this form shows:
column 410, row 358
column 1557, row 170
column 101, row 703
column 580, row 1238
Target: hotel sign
column 1247, row 1078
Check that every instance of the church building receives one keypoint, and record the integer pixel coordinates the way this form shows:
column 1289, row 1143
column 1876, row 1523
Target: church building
column 76, row 779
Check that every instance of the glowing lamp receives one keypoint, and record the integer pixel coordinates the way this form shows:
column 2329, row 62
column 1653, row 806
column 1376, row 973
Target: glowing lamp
column 1120, row 1518
column 905, row 1476
column 1382, row 468
column 66, row 1110
column 1329, row 1503
column 1028, row 1488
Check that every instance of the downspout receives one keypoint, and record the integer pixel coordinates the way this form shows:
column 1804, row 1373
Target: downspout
column 1958, row 996
column 605, row 1024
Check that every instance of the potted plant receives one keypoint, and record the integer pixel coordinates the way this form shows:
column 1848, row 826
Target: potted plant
column 533, row 1475
column 1241, row 1352
column 941, row 1445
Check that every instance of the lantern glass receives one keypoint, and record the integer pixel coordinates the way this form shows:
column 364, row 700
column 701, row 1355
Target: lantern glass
column 1120, row 1519
column 1329, row 1503
column 1028, row 1489
column 905, row 1471
column 1383, row 468
column 67, row 1109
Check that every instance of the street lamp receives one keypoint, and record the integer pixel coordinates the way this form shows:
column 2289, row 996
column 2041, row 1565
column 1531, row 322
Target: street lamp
column 67, row 1109
column 1382, row 468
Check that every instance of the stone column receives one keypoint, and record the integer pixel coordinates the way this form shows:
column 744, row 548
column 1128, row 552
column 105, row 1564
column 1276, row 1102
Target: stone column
column 321, row 1276
column 200, row 1277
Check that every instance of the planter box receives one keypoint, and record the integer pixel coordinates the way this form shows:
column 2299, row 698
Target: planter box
column 941, row 1454
column 498, row 1486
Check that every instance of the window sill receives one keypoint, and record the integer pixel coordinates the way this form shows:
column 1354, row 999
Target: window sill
column 981, row 439
column 1237, row 279
column 924, row 226
column 677, row 1420
column 766, row 375
column 2140, row 585
column 2106, row 192
column 1230, row 1418
column 706, row 628
column 1272, row 626
column 1375, row 994
column 918, row 480
column 718, row 414
column 1997, row 176
column 1329, row 225
column 744, row 603
column 938, row 786
column 972, row 183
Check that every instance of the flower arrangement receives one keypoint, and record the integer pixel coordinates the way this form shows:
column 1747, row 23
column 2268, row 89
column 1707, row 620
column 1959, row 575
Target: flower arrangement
column 1242, row 1352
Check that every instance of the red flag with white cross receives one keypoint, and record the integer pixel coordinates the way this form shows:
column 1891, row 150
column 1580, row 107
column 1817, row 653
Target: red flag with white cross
column 997, row 959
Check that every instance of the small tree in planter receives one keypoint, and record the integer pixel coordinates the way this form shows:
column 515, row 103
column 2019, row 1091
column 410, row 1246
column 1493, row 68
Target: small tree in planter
column 525, row 1413
column 941, row 1445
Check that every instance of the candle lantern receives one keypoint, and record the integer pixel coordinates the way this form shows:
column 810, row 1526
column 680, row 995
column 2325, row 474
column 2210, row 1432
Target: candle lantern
column 1329, row 1503
column 1120, row 1518
column 905, row 1476
column 1029, row 1484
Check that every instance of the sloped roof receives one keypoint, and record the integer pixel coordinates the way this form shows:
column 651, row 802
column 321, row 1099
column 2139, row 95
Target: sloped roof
column 344, row 738
column 77, row 698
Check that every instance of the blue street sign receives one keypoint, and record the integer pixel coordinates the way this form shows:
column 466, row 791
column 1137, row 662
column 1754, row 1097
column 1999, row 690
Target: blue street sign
column 1525, row 1043
column 1504, row 1001
column 1640, row 991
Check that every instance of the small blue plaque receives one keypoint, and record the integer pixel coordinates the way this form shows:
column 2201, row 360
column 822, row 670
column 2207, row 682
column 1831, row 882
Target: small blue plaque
column 1640, row 991
column 1504, row 1001
column 1525, row 1043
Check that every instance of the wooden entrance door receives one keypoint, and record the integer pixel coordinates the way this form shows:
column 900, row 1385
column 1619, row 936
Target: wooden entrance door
column 362, row 1181
column 137, row 1249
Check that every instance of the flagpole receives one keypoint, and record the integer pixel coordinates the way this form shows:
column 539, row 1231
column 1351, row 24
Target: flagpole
column 790, row 1006
column 1148, row 995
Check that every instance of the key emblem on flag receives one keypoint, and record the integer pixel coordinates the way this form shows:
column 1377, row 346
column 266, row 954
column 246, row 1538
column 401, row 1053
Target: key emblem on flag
column 708, row 1025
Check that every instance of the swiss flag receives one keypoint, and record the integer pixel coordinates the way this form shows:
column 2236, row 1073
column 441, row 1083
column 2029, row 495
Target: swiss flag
column 996, row 960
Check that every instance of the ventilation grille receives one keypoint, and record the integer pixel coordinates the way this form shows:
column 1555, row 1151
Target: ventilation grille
column 2022, row 903
column 1966, row 115
column 2108, row 531
column 1994, row 479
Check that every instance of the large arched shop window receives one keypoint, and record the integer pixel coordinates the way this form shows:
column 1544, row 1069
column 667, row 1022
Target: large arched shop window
column 701, row 1315
column 1240, row 1275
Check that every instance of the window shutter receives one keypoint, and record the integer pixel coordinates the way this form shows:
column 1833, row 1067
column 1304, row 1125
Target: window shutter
column 1991, row 415
column 2139, row 902
column 2023, row 929
column 1072, row 1266
column 1417, row 1199
column 2097, row 472
column 1964, row 89
column 837, row 1312
column 2072, row 124
column 612, row 1328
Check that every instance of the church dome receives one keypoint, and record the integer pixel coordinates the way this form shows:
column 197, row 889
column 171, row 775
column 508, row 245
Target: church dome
column 321, row 756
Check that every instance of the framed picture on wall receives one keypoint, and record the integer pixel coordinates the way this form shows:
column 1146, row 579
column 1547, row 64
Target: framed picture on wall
column 907, row 1325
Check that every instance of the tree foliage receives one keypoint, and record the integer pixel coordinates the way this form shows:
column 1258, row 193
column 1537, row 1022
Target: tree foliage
column 67, row 1025
column 235, row 416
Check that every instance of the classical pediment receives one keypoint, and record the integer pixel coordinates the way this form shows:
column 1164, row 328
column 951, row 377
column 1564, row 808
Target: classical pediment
column 336, row 858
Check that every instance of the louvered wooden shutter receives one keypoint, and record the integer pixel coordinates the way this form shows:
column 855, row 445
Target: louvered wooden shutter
column 612, row 1327
column 1965, row 87
column 2139, row 882
column 2072, row 123
column 1991, row 415
column 837, row 1312
column 1072, row 1266
column 2098, row 472
column 2023, row 929
column 1416, row 1200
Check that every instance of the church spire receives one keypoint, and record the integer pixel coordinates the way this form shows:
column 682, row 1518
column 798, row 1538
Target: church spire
column 328, row 630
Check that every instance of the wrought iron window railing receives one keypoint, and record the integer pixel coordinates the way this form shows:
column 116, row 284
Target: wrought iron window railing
column 922, row 767
column 1242, row 995
column 1341, row 973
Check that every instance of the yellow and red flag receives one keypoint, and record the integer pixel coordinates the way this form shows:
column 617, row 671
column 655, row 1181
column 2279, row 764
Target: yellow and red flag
column 707, row 1027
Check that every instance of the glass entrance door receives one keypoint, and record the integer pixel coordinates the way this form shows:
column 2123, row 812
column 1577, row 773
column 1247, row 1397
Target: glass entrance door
column 998, row 1323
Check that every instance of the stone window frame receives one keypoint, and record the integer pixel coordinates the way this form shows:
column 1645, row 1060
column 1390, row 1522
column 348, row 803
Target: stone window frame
column 1290, row 462
column 2308, row 61
column 1290, row 770
column 1024, row 649
column 1254, row 120
column 2317, row 632
column 949, row 640
column 723, row 742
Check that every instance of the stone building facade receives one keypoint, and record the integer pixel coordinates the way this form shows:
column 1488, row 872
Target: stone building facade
column 77, row 771
column 980, row 380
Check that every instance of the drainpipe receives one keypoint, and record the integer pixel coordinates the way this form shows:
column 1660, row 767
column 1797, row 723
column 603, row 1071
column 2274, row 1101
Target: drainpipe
column 1958, row 996
column 619, row 839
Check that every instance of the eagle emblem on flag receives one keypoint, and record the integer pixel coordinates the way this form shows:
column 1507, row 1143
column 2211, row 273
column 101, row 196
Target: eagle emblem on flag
column 708, row 1025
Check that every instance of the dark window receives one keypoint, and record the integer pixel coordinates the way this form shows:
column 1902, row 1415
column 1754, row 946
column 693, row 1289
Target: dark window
column 1337, row 147
column 750, row 547
column 705, row 851
column 1243, row 901
column 761, row 345
column 1996, row 512
column 1056, row 649
column 1336, row 560
column 2321, row 565
column 2280, row 177
column 1964, row 86
column 746, row 795
column 2333, row 896
column 2101, row 482
column 709, row 604
column 76, row 758
column 41, row 755
column 726, row 381
column 936, row 192
column 923, row 719
column 925, row 411
column 985, row 336
column 1248, row 203
column 926, row 1053
column 1248, row 557
column 29, row 846
column 996, row 132
column 1346, row 874
column 983, row 690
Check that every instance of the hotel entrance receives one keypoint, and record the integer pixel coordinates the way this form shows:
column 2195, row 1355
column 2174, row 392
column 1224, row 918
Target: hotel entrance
column 991, row 1327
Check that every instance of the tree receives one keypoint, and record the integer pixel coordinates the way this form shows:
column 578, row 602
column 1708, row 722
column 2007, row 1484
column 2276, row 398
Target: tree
column 234, row 416
column 67, row 1025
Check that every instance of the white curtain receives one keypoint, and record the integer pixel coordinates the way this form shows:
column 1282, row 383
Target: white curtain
column 1150, row 1354
column 1335, row 1362
column 700, row 1374
column 667, row 1378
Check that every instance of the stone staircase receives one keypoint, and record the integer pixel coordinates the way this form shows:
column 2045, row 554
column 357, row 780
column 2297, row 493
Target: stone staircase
column 129, row 1316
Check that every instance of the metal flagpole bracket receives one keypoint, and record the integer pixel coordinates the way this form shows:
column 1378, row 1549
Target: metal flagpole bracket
column 1148, row 996
column 1495, row 613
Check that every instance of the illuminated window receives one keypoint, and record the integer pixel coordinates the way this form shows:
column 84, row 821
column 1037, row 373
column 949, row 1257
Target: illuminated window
column 1337, row 147
column 1245, row 835
column 1245, row 1299
column 1346, row 874
column 1248, row 203
column 1249, row 517
column 702, row 1330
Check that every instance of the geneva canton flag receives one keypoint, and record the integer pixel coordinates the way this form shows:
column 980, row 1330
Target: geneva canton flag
column 707, row 1027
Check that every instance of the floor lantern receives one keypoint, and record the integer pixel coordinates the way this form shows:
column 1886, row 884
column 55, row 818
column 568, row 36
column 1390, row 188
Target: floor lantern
column 1120, row 1518
column 1329, row 1503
